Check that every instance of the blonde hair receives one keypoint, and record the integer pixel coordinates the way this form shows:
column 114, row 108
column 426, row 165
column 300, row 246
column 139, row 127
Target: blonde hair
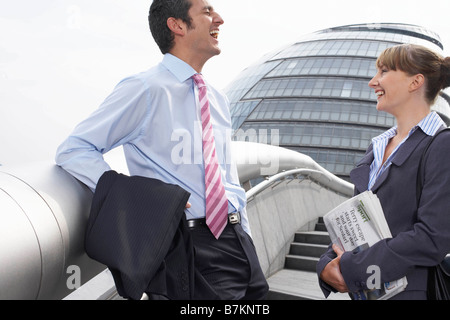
column 415, row 59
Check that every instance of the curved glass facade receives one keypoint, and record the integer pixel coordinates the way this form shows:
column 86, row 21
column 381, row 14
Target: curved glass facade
column 315, row 93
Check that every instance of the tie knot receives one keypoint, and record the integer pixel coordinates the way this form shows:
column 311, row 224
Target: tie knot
column 198, row 79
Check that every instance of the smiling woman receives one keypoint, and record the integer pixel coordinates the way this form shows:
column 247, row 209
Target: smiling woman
column 409, row 75
column 415, row 60
column 408, row 80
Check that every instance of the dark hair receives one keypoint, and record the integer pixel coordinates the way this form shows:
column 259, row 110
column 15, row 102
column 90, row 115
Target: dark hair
column 160, row 11
column 445, row 73
column 415, row 59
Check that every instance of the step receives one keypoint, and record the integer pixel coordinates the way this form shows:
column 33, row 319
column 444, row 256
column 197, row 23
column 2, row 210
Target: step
column 316, row 237
column 298, row 285
column 294, row 285
column 303, row 263
column 307, row 249
column 298, row 280
column 320, row 227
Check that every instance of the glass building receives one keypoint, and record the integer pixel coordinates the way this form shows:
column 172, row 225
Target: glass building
column 314, row 93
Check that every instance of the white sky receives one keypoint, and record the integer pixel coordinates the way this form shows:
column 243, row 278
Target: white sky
column 60, row 58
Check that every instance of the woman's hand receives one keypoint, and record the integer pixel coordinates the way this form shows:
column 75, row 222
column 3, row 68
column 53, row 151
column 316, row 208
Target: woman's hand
column 332, row 275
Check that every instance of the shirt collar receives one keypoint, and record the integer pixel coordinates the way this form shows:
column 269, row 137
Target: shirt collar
column 180, row 69
column 429, row 125
column 385, row 135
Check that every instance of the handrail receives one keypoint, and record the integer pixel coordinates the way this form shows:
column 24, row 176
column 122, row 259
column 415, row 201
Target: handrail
column 287, row 202
column 256, row 160
column 341, row 187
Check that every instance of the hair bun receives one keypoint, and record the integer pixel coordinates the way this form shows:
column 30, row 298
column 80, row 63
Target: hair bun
column 445, row 73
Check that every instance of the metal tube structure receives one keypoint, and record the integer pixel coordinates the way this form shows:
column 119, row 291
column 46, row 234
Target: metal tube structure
column 44, row 211
column 43, row 214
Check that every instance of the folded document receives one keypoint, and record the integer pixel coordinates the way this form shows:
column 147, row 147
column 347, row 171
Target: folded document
column 357, row 224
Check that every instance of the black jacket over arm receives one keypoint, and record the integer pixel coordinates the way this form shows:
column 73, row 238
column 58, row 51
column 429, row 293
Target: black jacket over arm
column 137, row 228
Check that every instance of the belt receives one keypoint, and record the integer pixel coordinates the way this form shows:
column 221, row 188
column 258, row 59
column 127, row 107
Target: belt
column 233, row 218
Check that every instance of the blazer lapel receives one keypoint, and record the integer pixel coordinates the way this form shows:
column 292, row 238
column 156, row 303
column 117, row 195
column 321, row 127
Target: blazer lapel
column 381, row 179
column 408, row 147
column 403, row 153
column 360, row 175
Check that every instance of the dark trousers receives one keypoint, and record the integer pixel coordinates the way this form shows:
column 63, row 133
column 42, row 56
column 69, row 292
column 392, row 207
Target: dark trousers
column 229, row 265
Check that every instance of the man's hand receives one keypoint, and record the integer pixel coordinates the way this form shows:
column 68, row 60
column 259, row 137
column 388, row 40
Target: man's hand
column 332, row 275
column 188, row 205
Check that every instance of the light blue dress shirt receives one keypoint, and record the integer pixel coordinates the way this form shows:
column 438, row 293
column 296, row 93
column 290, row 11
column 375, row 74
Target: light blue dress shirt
column 429, row 125
column 155, row 116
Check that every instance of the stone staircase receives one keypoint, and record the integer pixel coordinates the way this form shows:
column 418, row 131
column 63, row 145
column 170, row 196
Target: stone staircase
column 298, row 280
column 307, row 247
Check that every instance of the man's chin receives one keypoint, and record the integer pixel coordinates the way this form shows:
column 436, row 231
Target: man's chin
column 218, row 51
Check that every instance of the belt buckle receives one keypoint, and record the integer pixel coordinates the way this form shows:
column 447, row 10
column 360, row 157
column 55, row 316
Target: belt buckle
column 233, row 218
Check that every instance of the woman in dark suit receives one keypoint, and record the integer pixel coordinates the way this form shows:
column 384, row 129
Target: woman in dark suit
column 408, row 81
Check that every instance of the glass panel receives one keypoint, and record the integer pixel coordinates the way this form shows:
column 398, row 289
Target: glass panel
column 368, row 48
column 343, row 136
column 247, row 79
column 320, row 87
column 326, row 66
column 358, row 112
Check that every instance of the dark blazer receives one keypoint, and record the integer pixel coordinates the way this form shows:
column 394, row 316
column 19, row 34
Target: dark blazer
column 137, row 228
column 421, row 234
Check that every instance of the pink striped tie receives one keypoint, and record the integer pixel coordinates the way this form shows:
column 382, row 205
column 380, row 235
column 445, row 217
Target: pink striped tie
column 216, row 200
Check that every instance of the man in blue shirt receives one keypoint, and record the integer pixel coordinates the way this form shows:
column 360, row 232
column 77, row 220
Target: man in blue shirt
column 155, row 116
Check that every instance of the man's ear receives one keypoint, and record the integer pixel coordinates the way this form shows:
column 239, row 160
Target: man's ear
column 417, row 82
column 176, row 26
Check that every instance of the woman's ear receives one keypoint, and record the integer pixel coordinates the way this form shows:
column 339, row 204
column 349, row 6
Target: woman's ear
column 417, row 81
column 176, row 26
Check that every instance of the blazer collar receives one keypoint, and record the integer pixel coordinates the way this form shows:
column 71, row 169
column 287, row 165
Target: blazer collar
column 360, row 175
column 408, row 147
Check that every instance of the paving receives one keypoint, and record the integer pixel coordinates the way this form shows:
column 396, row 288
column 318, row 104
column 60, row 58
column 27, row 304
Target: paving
column 298, row 285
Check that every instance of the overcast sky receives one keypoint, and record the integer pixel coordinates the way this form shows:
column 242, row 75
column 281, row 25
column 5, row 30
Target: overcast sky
column 59, row 58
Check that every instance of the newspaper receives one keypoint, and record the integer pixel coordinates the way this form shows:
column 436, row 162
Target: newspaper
column 357, row 224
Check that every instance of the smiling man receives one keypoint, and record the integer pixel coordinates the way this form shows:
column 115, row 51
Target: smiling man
column 148, row 114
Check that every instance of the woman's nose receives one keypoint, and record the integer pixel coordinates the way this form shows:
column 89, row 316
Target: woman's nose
column 373, row 82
